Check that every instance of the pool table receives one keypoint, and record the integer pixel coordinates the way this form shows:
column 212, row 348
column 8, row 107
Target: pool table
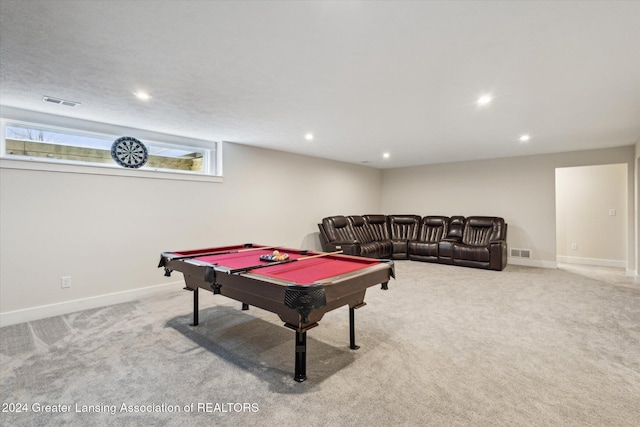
column 300, row 289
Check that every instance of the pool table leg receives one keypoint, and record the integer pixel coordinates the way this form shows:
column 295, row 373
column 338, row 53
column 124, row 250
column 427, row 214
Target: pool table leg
column 195, row 307
column 385, row 286
column 352, row 329
column 301, row 356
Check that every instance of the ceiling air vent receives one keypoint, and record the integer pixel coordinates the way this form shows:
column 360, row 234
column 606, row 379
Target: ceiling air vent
column 60, row 101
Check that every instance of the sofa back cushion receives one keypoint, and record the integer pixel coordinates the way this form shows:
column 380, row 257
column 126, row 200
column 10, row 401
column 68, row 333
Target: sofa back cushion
column 480, row 230
column 433, row 228
column 360, row 229
column 378, row 228
column 337, row 228
column 404, row 227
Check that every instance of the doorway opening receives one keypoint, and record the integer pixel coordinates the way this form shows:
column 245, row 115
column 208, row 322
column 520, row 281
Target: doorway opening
column 591, row 219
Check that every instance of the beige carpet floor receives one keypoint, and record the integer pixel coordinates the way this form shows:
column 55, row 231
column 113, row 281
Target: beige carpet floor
column 444, row 346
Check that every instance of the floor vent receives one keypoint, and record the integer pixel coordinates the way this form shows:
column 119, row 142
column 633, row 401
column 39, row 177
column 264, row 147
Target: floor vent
column 60, row 101
column 520, row 253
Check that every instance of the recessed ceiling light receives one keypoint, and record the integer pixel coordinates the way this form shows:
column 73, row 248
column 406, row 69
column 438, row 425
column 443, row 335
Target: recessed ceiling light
column 386, row 155
column 142, row 95
column 308, row 136
column 524, row 138
column 484, row 99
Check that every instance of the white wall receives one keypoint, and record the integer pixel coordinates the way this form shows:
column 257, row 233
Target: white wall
column 587, row 233
column 107, row 232
column 636, row 214
column 519, row 189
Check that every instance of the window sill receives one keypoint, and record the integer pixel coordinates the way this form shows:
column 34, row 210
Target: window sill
column 44, row 166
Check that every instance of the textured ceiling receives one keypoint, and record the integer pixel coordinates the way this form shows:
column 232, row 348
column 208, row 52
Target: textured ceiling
column 364, row 77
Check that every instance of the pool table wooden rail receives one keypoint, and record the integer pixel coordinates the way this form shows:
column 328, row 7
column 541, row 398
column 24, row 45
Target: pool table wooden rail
column 269, row 293
column 299, row 305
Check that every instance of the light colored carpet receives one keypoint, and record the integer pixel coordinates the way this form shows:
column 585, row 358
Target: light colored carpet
column 444, row 346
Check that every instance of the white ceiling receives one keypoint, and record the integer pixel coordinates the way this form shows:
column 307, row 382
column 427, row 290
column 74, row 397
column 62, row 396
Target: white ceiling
column 363, row 77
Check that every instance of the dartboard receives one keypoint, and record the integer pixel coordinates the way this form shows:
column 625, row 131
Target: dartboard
column 129, row 152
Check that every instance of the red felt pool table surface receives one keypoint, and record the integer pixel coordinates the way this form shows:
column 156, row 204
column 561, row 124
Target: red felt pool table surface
column 299, row 292
column 300, row 272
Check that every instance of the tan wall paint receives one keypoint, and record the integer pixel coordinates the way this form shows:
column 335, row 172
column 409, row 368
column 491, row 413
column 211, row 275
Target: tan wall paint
column 107, row 232
column 519, row 189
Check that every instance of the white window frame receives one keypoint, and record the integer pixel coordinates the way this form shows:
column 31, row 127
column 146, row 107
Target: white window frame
column 212, row 159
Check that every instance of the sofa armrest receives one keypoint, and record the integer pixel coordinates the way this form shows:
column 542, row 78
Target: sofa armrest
column 498, row 254
column 451, row 239
column 348, row 247
column 345, row 242
column 351, row 247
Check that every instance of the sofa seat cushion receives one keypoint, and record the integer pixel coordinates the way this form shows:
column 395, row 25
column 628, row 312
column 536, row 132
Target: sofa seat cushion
column 423, row 248
column 385, row 248
column 376, row 249
column 471, row 253
column 399, row 249
column 370, row 250
column 400, row 245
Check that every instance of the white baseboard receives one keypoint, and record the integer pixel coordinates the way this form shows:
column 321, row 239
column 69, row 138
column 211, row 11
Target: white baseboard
column 634, row 274
column 44, row 311
column 532, row 262
column 592, row 261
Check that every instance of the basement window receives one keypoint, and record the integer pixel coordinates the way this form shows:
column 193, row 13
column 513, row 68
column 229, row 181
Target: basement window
column 36, row 143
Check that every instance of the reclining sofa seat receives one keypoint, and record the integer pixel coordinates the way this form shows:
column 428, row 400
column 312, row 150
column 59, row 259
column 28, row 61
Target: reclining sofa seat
column 378, row 228
column 365, row 234
column 336, row 234
column 483, row 243
column 403, row 229
column 431, row 232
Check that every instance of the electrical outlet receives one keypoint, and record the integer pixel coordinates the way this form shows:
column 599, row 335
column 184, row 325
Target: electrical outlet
column 574, row 246
column 65, row 281
column 612, row 212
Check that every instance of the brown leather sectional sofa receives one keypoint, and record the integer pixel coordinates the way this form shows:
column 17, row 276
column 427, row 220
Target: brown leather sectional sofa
column 475, row 241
